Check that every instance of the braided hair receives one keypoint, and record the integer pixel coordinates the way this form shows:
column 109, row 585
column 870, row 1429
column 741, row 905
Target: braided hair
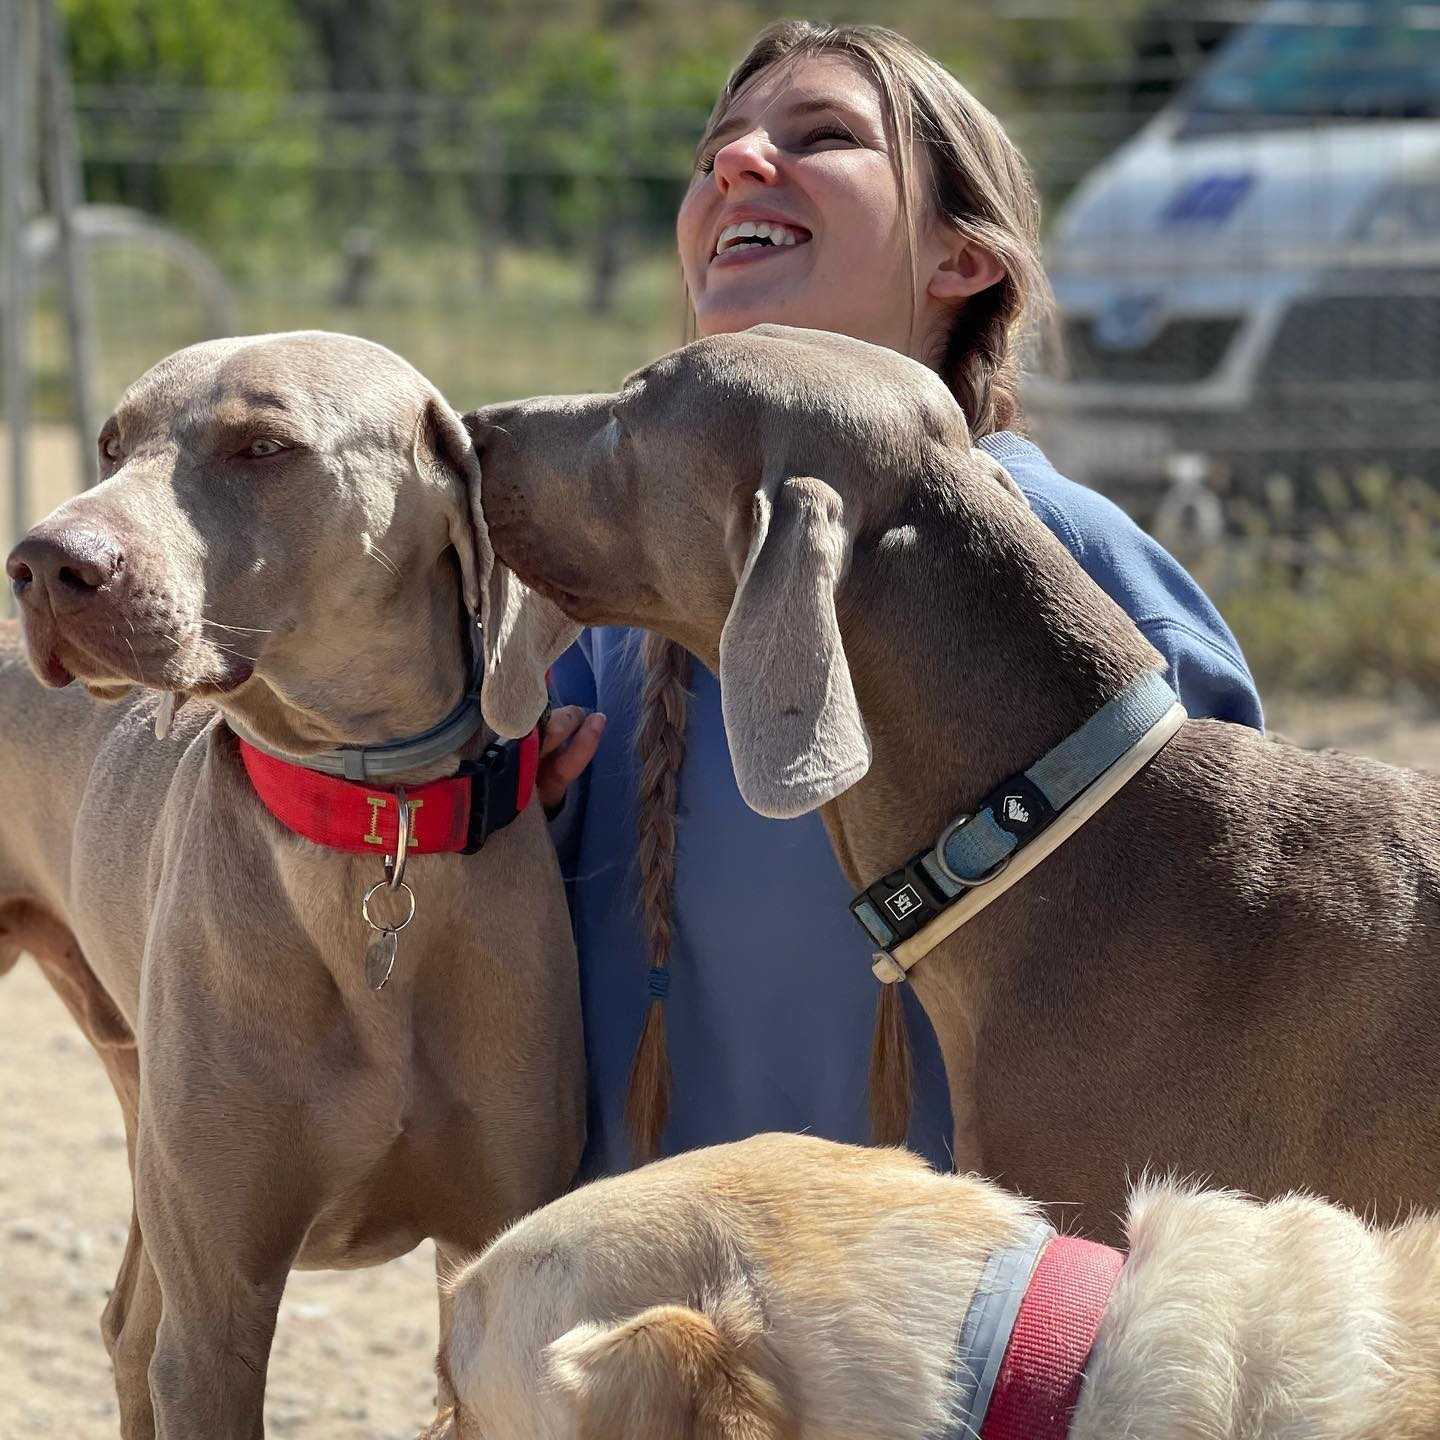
column 980, row 186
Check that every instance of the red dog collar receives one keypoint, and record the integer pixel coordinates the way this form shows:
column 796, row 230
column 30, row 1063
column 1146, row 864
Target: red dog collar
column 457, row 814
column 1040, row 1377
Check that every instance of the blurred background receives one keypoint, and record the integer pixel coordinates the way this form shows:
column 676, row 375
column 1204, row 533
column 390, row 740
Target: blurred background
column 1243, row 230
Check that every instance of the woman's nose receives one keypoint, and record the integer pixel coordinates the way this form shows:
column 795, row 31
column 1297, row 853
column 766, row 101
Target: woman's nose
column 746, row 157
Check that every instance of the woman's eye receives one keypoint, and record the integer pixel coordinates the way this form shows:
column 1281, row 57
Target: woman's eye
column 110, row 447
column 260, row 449
column 829, row 132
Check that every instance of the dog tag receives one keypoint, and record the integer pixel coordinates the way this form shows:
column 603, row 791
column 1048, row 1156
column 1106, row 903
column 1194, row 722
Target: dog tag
column 380, row 958
column 380, row 952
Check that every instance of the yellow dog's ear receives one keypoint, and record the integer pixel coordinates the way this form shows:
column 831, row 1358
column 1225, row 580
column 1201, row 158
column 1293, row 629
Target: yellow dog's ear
column 795, row 732
column 668, row 1373
column 523, row 632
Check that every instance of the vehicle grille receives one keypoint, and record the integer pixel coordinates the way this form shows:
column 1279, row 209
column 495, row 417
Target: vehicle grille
column 1184, row 351
column 1364, row 339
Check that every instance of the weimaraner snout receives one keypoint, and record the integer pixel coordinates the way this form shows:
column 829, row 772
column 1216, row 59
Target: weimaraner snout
column 73, row 585
column 64, row 569
column 521, row 479
column 638, row 507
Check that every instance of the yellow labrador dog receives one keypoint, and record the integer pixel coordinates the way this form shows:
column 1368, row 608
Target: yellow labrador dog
column 286, row 538
column 789, row 1288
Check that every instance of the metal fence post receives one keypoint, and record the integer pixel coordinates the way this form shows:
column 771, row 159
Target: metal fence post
column 14, row 54
column 62, row 170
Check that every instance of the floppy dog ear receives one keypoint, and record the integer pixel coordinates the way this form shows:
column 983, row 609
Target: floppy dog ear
column 668, row 1373
column 523, row 632
column 795, row 732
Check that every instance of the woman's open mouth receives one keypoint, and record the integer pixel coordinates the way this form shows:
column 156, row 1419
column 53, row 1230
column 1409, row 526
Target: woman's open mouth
column 750, row 240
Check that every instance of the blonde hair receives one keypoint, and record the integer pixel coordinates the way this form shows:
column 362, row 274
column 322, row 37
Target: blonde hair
column 980, row 186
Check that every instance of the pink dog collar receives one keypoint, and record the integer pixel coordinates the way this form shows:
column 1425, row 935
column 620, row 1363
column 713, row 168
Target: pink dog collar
column 1028, row 1334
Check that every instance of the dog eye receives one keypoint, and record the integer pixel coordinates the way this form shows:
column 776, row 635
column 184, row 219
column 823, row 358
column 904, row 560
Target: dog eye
column 110, row 447
column 261, row 449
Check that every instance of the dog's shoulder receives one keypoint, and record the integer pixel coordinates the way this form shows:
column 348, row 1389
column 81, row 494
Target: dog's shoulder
column 1236, row 1314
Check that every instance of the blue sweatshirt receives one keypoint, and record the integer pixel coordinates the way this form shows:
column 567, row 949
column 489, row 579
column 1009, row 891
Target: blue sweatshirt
column 771, row 998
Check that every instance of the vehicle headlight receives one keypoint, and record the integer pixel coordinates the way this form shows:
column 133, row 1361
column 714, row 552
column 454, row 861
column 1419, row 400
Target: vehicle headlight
column 1407, row 210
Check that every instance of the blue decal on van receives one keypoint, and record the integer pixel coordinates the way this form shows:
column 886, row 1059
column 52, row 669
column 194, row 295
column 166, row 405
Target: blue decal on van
column 1210, row 200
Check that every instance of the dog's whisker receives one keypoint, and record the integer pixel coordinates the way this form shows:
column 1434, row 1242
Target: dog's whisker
column 238, row 629
column 133, row 655
column 179, row 640
column 231, row 650
column 376, row 553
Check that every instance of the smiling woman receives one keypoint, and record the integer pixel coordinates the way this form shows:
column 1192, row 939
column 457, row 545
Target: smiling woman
column 804, row 151
column 846, row 182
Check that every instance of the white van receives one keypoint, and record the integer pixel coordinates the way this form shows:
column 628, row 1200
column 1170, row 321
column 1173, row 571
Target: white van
column 1252, row 283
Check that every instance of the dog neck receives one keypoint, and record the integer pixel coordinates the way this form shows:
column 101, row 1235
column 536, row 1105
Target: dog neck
column 394, row 677
column 1005, row 647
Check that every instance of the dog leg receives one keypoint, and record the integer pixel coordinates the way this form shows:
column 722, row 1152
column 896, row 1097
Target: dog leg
column 128, row 1325
column 133, row 1310
column 222, row 1280
column 447, row 1263
column 224, row 1200
column 27, row 928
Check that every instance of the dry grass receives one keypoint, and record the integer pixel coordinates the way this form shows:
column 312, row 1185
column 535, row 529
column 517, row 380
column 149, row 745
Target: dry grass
column 530, row 332
column 1342, row 599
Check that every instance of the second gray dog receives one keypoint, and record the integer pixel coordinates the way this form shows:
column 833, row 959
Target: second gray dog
column 1229, row 970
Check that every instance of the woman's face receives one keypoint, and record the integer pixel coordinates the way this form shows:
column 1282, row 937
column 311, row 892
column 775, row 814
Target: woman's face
column 803, row 157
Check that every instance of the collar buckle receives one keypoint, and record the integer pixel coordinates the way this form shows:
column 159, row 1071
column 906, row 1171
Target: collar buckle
column 907, row 912
column 899, row 904
column 486, row 793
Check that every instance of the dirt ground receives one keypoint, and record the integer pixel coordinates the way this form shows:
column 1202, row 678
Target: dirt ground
column 353, row 1351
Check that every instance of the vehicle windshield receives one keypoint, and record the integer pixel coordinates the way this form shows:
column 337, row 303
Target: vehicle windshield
column 1308, row 60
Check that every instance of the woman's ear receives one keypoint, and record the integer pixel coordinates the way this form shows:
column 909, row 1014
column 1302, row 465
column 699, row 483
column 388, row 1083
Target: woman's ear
column 965, row 269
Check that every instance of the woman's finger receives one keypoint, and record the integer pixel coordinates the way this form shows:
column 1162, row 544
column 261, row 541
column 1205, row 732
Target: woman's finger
column 563, row 766
column 562, row 724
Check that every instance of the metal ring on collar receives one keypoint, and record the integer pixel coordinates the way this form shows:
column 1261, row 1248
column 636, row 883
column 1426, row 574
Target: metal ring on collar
column 395, row 865
column 385, row 885
column 965, row 881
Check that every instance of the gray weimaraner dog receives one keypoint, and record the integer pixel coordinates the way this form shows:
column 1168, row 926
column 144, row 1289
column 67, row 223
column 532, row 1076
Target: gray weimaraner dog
column 288, row 531
column 1230, row 970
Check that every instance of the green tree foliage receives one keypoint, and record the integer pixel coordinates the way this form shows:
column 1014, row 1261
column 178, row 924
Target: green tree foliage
column 571, row 120
column 193, row 119
column 214, row 44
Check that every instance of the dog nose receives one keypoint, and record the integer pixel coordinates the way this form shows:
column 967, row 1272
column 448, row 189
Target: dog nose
column 68, row 567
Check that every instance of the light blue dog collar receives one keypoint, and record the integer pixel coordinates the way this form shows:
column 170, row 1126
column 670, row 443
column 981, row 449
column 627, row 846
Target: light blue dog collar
column 987, row 1327
column 1062, row 789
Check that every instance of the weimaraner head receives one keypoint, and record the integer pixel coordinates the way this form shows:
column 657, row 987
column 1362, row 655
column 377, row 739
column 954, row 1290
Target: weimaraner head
column 719, row 498
column 289, row 525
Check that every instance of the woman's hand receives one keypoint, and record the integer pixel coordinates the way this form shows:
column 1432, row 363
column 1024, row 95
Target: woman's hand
column 571, row 739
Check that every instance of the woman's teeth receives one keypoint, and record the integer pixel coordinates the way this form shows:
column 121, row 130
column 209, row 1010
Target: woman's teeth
column 755, row 232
